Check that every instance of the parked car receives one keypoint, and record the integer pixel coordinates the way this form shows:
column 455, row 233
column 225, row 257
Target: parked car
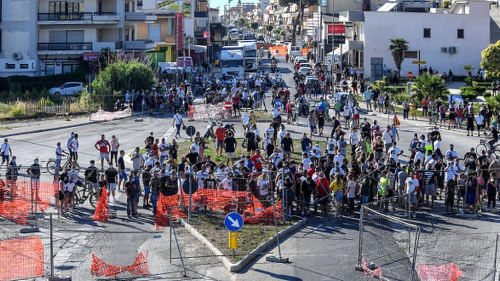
column 305, row 70
column 68, row 89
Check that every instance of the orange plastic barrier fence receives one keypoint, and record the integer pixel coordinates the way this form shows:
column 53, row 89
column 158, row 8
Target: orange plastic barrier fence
column 445, row 272
column 19, row 208
column 21, row 258
column 251, row 208
column 101, row 212
column 278, row 50
column 138, row 268
column 373, row 273
column 305, row 51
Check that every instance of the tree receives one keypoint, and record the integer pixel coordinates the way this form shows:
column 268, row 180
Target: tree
column 491, row 60
column 469, row 69
column 254, row 25
column 298, row 21
column 427, row 85
column 105, row 57
column 397, row 47
column 269, row 28
column 121, row 76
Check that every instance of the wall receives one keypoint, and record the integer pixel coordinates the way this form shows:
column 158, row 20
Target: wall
column 379, row 27
column 19, row 35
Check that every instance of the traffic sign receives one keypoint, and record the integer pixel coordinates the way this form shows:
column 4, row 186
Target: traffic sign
column 278, row 103
column 187, row 183
column 190, row 131
column 233, row 222
column 228, row 105
column 419, row 62
column 409, row 75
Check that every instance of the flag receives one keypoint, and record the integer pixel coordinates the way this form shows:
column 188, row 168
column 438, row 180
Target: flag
column 396, row 121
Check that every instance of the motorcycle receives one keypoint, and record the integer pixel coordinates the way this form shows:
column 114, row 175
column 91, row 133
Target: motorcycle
column 279, row 80
column 210, row 133
column 229, row 128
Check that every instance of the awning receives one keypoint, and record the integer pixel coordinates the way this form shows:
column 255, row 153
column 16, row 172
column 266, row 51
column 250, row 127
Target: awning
column 387, row 7
column 337, row 51
column 198, row 48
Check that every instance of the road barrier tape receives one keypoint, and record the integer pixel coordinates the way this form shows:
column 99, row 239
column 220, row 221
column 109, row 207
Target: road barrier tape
column 21, row 258
column 101, row 212
column 448, row 272
column 138, row 268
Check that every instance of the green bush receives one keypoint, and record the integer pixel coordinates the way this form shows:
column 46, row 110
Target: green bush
column 487, row 94
column 476, row 91
column 17, row 110
column 493, row 102
column 45, row 101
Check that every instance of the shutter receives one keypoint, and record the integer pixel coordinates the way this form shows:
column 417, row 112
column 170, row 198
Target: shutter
column 57, row 36
column 76, row 36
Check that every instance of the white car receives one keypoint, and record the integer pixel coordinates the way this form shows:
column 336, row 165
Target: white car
column 305, row 70
column 68, row 89
column 299, row 58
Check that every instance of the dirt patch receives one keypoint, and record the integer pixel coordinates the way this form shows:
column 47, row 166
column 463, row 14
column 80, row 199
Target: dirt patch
column 211, row 225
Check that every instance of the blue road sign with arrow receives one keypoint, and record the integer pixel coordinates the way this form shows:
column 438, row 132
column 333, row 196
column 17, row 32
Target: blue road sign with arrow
column 233, row 222
column 278, row 103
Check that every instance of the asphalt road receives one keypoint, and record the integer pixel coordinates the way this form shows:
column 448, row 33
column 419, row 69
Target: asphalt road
column 323, row 250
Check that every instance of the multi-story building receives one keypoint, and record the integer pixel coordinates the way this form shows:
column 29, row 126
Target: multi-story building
column 42, row 37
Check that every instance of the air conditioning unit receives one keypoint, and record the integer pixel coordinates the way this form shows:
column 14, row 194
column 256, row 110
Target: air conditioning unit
column 444, row 50
column 18, row 56
column 453, row 50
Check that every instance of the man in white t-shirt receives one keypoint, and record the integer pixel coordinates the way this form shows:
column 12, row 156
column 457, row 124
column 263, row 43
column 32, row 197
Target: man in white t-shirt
column 387, row 136
column 354, row 140
column 201, row 176
column 245, row 120
column 178, row 122
column 394, row 152
column 330, row 146
column 480, row 123
column 164, row 149
column 227, row 183
column 5, row 151
column 419, row 155
column 59, row 154
column 306, row 162
column 411, row 185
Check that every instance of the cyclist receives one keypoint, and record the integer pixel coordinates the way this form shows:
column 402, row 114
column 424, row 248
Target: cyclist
column 91, row 179
column 494, row 135
column 104, row 147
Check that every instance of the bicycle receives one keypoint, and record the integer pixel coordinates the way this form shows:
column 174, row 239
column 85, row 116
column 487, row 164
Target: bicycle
column 51, row 165
column 92, row 197
column 484, row 145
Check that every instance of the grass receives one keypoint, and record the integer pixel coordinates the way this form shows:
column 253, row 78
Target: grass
column 211, row 225
column 240, row 151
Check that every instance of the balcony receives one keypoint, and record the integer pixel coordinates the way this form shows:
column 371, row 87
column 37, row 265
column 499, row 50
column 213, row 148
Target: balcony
column 98, row 46
column 201, row 14
column 139, row 17
column 64, row 48
column 139, row 45
column 105, row 17
column 64, row 18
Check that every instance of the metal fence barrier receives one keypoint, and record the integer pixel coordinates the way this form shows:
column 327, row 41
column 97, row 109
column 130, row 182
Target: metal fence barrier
column 387, row 246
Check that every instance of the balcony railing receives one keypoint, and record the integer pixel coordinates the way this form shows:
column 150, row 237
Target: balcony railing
column 104, row 13
column 64, row 16
column 201, row 14
column 65, row 47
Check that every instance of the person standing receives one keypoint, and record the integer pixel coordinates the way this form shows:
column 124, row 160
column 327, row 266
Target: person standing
column 111, row 177
column 59, row 154
column 92, row 177
column 164, row 150
column 137, row 159
column 155, row 184
column 73, row 146
column 220, row 134
column 115, row 145
column 122, row 175
column 130, row 192
column 230, row 145
column 5, row 151
column 104, row 147
column 287, row 146
column 411, row 184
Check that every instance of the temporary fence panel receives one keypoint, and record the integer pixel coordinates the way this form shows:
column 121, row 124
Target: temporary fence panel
column 278, row 50
column 475, row 256
column 25, row 254
column 110, row 107
column 387, row 246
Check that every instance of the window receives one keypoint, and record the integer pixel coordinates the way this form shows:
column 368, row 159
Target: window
column 427, row 33
column 50, row 69
column 460, row 34
column 10, row 66
column 65, row 7
column 24, row 66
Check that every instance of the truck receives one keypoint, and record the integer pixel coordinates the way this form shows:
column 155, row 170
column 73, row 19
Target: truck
column 232, row 61
column 250, row 54
column 293, row 51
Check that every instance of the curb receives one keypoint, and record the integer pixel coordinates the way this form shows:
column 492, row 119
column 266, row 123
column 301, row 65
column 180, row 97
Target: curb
column 235, row 267
column 67, row 127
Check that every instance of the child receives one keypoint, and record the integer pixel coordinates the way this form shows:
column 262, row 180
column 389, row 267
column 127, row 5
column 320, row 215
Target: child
column 461, row 191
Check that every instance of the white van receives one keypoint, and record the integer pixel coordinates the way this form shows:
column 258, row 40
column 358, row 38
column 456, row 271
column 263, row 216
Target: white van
column 294, row 51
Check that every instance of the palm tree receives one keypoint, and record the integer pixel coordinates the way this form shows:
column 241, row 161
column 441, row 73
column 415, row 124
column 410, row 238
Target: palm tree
column 427, row 85
column 397, row 47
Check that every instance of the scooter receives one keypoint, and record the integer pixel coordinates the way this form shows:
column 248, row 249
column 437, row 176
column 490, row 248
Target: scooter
column 210, row 133
column 279, row 80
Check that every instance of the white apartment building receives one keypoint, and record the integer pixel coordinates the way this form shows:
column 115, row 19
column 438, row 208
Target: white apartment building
column 45, row 37
column 446, row 39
